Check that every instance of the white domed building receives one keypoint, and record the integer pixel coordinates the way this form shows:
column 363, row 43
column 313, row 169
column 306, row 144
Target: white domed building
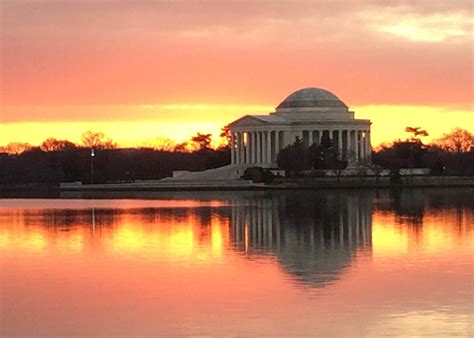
column 308, row 114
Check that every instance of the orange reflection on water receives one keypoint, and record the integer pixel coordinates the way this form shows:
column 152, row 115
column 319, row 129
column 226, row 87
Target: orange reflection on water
column 141, row 234
column 439, row 233
column 250, row 269
column 182, row 238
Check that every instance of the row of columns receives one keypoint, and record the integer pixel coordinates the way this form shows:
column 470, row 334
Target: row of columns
column 262, row 147
column 263, row 225
column 253, row 147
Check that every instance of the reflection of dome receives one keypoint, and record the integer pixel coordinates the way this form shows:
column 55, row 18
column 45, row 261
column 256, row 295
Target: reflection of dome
column 317, row 266
column 314, row 237
column 312, row 98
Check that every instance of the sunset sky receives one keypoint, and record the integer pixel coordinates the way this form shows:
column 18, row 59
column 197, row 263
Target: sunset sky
column 138, row 70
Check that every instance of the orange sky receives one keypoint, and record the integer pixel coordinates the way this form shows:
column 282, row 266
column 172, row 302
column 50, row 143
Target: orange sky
column 139, row 70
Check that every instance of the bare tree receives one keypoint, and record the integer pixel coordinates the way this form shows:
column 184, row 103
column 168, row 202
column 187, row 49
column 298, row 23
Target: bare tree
column 203, row 141
column 16, row 148
column 52, row 144
column 97, row 140
column 160, row 143
column 458, row 141
column 375, row 168
column 181, row 147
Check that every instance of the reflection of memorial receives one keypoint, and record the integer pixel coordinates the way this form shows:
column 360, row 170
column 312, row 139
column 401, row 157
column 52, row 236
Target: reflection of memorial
column 313, row 235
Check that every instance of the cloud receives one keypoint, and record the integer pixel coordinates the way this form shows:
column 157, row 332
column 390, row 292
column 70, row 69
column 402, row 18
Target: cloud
column 452, row 27
column 130, row 52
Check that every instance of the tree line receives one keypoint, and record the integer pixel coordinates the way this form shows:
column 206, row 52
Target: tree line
column 57, row 161
column 98, row 159
column 453, row 153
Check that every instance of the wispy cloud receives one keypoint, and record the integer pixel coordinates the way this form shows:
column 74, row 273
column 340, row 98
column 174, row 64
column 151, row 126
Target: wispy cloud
column 449, row 27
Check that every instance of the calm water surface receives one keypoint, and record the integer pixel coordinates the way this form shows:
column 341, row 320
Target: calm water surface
column 335, row 263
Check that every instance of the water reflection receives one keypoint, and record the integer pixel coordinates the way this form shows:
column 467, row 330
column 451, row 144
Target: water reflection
column 313, row 236
column 325, row 263
column 192, row 231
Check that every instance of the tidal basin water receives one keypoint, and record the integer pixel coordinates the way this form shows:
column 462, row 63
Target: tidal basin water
column 322, row 263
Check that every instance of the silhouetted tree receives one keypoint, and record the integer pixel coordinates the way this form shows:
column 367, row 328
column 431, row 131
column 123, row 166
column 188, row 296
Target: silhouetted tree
column 417, row 132
column 324, row 154
column 181, row 147
column 52, row 144
column 225, row 136
column 375, row 168
column 409, row 153
column 401, row 154
column 203, row 141
column 97, row 140
column 160, row 143
column 457, row 141
column 294, row 157
column 16, row 148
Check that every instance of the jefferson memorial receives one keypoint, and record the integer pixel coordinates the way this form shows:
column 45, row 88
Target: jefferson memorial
column 308, row 114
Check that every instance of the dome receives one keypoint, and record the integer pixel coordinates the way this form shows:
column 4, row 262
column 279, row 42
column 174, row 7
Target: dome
column 312, row 98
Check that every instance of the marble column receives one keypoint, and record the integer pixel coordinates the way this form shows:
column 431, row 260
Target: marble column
column 285, row 138
column 232, row 148
column 252, row 147
column 367, row 152
column 339, row 144
column 242, row 148
column 258, row 147
column 348, row 145
column 366, row 145
column 269, row 147
column 237, row 150
column 247, row 147
column 369, row 145
column 277, row 144
column 356, row 145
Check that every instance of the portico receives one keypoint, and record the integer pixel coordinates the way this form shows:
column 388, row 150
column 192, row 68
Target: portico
column 308, row 114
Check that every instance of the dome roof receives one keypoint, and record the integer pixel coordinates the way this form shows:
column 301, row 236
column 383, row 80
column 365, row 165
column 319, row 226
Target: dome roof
column 312, row 97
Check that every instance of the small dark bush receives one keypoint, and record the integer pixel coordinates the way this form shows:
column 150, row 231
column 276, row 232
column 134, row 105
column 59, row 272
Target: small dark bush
column 258, row 175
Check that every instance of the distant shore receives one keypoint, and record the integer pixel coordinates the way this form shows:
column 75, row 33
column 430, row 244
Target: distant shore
column 278, row 184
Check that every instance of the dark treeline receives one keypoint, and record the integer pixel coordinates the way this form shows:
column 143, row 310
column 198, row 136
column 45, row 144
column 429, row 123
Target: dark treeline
column 99, row 160
column 62, row 161
column 453, row 154
column 37, row 166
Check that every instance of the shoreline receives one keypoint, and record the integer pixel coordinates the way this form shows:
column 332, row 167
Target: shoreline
column 278, row 184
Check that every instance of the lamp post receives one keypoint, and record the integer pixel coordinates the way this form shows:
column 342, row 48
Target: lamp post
column 92, row 165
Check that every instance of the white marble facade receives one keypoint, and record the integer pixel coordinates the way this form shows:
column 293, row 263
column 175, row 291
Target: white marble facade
column 308, row 114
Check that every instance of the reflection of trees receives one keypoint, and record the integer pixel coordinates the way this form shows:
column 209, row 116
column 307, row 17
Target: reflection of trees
column 411, row 205
column 313, row 235
column 102, row 217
